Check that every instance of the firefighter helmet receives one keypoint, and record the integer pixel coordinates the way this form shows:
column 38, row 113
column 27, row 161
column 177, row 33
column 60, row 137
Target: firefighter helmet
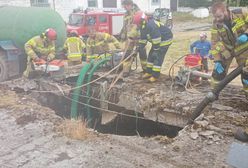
column 139, row 17
column 74, row 33
column 51, row 34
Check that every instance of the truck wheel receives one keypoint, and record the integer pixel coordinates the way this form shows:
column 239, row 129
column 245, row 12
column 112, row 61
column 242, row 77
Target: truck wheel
column 3, row 68
column 169, row 24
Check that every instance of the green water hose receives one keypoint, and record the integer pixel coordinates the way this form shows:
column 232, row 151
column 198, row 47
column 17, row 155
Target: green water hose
column 77, row 90
column 91, row 73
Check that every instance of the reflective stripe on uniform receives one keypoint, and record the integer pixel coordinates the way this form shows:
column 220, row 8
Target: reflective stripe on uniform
column 143, row 41
column 214, row 31
column 156, row 40
column 241, row 47
column 156, row 68
column 167, row 42
column 149, row 64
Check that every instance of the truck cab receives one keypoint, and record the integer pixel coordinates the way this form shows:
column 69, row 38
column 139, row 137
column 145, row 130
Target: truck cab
column 108, row 22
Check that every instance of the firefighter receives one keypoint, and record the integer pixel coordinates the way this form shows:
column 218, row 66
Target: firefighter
column 230, row 40
column 130, row 33
column 131, row 8
column 74, row 48
column 40, row 47
column 160, row 37
column 99, row 44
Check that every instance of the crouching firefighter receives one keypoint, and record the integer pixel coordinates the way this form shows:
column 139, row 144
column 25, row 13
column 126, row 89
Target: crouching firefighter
column 40, row 47
column 230, row 40
column 99, row 44
column 160, row 37
column 74, row 47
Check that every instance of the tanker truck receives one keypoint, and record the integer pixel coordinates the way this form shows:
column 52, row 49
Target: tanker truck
column 18, row 25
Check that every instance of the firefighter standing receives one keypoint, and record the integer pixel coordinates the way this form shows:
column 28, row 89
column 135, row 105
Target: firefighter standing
column 99, row 44
column 230, row 40
column 131, row 8
column 130, row 33
column 74, row 47
column 161, row 38
column 40, row 47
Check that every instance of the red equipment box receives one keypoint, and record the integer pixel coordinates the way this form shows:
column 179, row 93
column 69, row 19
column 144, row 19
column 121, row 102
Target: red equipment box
column 192, row 60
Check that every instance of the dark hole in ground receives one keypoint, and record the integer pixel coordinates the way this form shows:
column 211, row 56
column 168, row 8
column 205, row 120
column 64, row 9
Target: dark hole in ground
column 121, row 125
column 130, row 127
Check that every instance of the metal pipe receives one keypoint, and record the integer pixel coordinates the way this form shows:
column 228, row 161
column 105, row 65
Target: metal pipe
column 213, row 95
column 200, row 74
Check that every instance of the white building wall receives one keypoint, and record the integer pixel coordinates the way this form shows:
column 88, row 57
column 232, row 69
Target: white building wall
column 15, row 2
column 147, row 6
column 65, row 7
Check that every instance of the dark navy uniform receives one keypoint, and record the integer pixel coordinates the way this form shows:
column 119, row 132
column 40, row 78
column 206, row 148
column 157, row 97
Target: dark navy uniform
column 161, row 38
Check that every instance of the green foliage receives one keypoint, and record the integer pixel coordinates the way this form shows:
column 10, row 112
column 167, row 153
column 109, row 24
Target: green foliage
column 195, row 3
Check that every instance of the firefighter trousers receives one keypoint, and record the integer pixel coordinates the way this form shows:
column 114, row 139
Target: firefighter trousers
column 155, row 61
column 128, row 63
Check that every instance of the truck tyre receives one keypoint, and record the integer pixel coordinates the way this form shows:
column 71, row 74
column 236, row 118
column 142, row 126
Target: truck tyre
column 169, row 24
column 3, row 68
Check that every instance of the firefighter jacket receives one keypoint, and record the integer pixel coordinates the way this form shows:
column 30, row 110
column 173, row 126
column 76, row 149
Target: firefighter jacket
column 100, row 44
column 156, row 33
column 40, row 47
column 128, row 20
column 223, row 37
column 74, row 47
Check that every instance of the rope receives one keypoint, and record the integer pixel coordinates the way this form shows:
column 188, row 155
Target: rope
column 110, row 111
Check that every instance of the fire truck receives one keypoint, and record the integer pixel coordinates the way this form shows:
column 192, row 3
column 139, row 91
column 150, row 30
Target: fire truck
column 102, row 21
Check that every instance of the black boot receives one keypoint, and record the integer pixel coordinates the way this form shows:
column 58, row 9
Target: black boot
column 241, row 135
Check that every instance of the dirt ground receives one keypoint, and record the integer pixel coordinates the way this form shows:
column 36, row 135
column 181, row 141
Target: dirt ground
column 30, row 134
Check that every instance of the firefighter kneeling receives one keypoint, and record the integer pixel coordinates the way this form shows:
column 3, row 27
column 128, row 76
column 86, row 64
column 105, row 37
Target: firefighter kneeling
column 40, row 47
column 99, row 44
column 74, row 47
column 161, row 38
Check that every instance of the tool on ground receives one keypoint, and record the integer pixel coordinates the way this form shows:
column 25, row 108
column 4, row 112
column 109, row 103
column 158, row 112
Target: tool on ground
column 191, row 71
column 52, row 68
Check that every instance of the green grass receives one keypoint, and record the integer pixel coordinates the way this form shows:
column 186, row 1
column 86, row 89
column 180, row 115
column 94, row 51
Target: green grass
column 187, row 16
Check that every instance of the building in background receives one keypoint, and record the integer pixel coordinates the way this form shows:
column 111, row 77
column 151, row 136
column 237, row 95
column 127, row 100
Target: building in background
column 65, row 7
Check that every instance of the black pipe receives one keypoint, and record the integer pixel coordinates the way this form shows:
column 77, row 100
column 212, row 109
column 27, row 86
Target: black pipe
column 213, row 95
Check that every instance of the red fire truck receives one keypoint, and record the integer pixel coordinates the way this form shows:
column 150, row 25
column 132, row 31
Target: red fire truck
column 109, row 22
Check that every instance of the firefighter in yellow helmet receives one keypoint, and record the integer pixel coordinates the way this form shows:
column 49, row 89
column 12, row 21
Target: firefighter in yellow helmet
column 40, row 47
column 229, row 35
column 74, row 47
column 99, row 44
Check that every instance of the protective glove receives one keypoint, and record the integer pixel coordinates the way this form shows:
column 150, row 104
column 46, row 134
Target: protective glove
column 242, row 39
column 245, row 81
column 218, row 67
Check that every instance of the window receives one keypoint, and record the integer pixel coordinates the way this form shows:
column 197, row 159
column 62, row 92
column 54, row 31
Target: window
column 91, row 20
column 102, row 19
column 39, row 3
column 155, row 2
column 110, row 3
column 75, row 20
column 92, row 3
